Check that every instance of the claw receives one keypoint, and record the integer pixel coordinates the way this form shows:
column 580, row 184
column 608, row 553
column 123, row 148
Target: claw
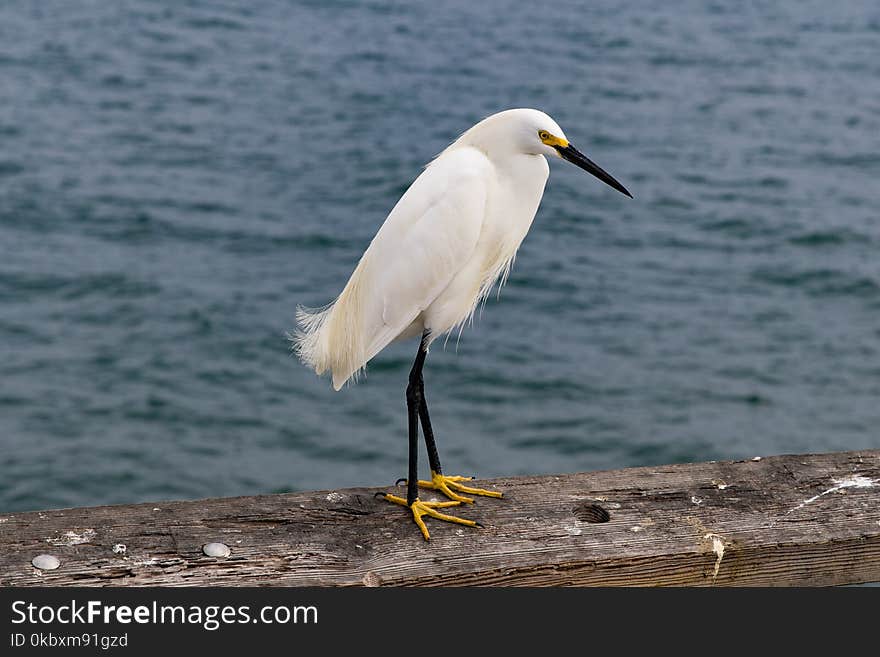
column 398, row 482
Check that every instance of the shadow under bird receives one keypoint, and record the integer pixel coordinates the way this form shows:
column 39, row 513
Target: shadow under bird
column 451, row 236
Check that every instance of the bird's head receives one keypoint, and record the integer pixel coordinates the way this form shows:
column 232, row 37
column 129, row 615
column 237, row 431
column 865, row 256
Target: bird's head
column 535, row 133
column 548, row 139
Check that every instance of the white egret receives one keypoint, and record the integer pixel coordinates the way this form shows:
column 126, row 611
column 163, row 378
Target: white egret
column 451, row 236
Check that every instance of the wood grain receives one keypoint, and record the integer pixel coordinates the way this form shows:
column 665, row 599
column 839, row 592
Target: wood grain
column 777, row 521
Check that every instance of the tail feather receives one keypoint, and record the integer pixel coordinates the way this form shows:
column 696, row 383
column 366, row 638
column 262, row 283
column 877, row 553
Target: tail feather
column 330, row 338
column 307, row 338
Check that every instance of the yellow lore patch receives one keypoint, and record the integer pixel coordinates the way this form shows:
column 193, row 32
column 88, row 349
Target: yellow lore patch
column 552, row 140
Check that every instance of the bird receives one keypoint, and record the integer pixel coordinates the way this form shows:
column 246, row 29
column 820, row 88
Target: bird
column 443, row 247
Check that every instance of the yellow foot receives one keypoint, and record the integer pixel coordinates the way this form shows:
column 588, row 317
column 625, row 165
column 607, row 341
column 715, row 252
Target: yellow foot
column 420, row 509
column 447, row 485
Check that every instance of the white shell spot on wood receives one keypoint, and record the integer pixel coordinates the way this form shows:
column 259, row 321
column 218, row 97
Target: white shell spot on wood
column 718, row 549
column 854, row 481
column 151, row 561
column 73, row 538
column 372, row 579
column 45, row 562
column 119, row 548
column 216, row 549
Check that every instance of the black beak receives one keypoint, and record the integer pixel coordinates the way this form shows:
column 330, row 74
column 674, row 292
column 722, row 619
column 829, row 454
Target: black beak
column 574, row 156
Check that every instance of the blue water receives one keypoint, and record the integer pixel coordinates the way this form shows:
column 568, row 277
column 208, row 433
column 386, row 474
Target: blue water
column 176, row 176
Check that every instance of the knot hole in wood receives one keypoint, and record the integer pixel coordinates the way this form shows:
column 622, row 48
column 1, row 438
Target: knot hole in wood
column 591, row 512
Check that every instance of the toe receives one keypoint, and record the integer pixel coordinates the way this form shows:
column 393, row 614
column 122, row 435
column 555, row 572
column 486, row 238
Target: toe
column 476, row 491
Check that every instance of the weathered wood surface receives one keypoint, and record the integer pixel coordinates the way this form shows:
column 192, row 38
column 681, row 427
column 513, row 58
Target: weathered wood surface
column 785, row 520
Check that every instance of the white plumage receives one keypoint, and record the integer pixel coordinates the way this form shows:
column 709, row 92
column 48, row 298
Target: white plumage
column 450, row 237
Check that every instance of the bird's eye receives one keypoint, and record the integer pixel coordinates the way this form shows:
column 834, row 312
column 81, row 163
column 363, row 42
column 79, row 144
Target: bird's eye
column 544, row 135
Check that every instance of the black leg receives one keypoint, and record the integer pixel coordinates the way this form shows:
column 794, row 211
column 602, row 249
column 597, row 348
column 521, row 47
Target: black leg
column 419, row 383
column 417, row 410
column 414, row 396
column 433, row 457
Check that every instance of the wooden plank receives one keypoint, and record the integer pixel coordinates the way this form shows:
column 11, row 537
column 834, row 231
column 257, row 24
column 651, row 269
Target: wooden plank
column 784, row 520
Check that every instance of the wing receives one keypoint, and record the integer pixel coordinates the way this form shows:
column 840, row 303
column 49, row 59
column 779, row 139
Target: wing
column 426, row 239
